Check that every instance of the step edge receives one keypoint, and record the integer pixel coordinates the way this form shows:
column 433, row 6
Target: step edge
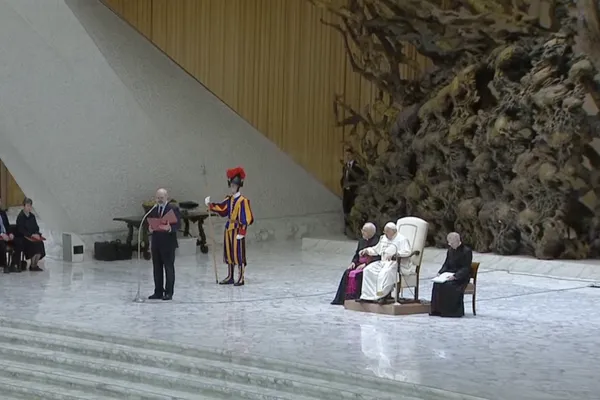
column 186, row 361
column 67, row 375
column 43, row 389
column 73, row 331
column 193, row 381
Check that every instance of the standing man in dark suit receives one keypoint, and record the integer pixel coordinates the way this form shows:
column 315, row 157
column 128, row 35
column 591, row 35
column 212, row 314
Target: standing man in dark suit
column 352, row 174
column 163, row 245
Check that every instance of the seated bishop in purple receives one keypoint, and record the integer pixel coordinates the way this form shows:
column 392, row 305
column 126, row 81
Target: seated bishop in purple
column 351, row 282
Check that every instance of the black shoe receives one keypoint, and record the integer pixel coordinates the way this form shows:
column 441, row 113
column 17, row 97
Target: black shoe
column 227, row 282
column 14, row 269
column 155, row 296
column 6, row 270
column 167, row 297
column 239, row 283
column 35, row 269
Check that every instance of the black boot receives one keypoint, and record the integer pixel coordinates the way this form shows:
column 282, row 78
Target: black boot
column 240, row 280
column 6, row 270
column 229, row 280
column 34, row 263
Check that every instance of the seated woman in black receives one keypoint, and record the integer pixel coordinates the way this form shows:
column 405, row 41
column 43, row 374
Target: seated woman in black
column 29, row 239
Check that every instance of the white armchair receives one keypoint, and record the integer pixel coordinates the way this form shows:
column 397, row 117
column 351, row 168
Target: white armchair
column 415, row 230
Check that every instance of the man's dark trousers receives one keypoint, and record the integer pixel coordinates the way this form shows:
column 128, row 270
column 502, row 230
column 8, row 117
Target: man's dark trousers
column 163, row 259
column 163, row 246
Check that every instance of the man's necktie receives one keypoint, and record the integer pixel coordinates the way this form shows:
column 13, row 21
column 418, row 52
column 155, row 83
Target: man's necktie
column 160, row 210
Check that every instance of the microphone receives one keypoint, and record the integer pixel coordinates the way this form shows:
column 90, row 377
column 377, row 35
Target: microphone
column 138, row 296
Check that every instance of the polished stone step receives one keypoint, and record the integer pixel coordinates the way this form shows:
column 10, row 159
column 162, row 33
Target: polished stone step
column 114, row 378
column 28, row 373
column 37, row 391
column 8, row 397
column 190, row 369
column 152, row 367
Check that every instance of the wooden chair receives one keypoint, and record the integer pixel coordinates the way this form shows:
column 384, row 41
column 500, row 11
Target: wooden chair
column 415, row 230
column 472, row 285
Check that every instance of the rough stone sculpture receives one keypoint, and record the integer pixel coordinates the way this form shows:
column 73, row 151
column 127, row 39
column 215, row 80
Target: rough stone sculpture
column 492, row 140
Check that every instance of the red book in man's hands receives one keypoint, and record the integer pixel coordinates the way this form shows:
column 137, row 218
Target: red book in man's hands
column 33, row 239
column 154, row 223
column 167, row 219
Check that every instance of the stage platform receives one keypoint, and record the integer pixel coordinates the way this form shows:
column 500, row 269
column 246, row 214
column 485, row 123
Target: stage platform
column 588, row 270
column 422, row 307
column 534, row 338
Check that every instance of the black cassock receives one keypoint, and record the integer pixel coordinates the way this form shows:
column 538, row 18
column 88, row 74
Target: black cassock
column 341, row 294
column 447, row 298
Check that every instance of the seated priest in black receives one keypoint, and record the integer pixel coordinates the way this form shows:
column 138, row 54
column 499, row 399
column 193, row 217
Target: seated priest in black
column 28, row 238
column 447, row 297
column 351, row 282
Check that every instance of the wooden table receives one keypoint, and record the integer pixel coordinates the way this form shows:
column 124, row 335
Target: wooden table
column 196, row 217
column 188, row 217
column 133, row 223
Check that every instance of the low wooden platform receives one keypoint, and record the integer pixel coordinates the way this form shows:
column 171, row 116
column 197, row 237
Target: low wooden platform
column 389, row 309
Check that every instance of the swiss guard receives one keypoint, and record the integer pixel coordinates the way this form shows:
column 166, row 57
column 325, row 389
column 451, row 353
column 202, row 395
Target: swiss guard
column 239, row 216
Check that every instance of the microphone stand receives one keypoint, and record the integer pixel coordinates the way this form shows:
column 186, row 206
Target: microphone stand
column 138, row 296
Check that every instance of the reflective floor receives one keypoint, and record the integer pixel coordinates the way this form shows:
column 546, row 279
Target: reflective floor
column 533, row 338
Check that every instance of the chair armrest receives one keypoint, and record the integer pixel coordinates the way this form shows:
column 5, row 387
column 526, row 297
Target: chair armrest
column 414, row 253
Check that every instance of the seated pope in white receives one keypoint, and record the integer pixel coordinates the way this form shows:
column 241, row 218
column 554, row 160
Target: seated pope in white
column 379, row 277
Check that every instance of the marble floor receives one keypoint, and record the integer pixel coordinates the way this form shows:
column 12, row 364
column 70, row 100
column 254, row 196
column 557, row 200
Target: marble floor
column 533, row 338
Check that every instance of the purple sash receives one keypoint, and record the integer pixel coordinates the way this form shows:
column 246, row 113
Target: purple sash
column 352, row 286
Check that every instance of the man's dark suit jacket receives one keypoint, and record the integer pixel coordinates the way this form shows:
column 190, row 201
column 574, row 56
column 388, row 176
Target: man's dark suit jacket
column 351, row 175
column 7, row 225
column 363, row 244
column 166, row 239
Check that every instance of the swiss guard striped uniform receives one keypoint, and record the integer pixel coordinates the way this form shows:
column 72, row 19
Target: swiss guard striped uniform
column 239, row 216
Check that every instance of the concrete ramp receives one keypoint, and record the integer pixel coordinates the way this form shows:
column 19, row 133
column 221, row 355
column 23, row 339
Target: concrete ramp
column 94, row 118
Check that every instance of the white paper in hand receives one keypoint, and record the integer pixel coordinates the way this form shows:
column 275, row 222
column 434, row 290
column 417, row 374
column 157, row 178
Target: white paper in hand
column 442, row 278
column 207, row 200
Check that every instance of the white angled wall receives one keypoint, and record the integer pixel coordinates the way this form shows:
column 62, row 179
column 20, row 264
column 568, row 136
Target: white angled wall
column 93, row 119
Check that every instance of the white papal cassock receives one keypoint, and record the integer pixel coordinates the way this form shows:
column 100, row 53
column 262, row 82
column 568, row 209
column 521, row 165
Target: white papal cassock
column 379, row 277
